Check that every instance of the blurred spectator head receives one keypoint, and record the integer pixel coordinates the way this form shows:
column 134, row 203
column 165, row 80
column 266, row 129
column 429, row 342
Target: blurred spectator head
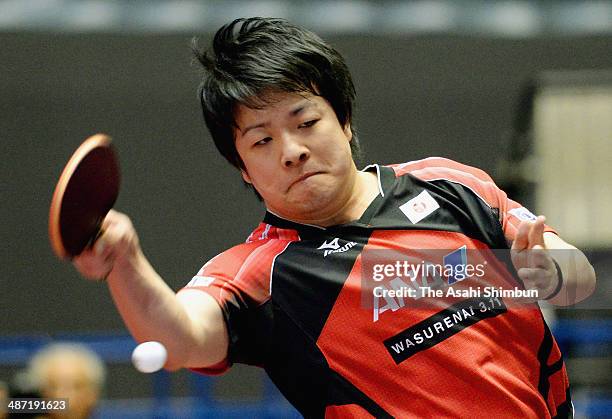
column 4, row 394
column 72, row 371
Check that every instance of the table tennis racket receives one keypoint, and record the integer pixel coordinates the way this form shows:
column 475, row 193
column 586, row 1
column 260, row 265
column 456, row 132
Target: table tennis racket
column 85, row 192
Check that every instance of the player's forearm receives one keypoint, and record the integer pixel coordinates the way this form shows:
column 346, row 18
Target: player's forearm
column 578, row 277
column 150, row 309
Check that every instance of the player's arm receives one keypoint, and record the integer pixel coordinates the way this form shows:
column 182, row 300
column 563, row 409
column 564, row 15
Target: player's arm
column 538, row 267
column 190, row 326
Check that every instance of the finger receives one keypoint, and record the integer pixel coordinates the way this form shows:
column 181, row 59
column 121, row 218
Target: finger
column 534, row 276
column 111, row 232
column 539, row 257
column 527, row 275
column 517, row 250
column 106, row 252
column 536, row 232
column 99, row 250
column 111, row 217
column 96, row 242
column 519, row 258
column 521, row 240
column 542, row 280
column 100, row 245
column 91, row 266
column 94, row 261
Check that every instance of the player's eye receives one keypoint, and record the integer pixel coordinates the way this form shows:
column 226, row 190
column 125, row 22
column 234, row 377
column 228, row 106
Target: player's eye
column 308, row 124
column 263, row 141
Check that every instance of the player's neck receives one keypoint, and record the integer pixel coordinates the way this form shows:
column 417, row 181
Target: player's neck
column 364, row 192
column 359, row 197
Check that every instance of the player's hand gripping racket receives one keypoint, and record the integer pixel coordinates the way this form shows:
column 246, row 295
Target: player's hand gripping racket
column 85, row 192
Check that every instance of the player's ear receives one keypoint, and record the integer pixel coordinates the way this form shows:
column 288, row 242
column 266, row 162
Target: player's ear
column 245, row 176
column 348, row 132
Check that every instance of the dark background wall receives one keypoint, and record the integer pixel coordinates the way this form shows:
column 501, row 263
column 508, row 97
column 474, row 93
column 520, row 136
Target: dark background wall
column 418, row 96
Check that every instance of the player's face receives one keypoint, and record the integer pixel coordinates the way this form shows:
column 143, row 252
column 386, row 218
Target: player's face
column 297, row 156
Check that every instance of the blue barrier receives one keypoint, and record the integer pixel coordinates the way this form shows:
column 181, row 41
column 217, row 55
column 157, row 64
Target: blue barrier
column 193, row 408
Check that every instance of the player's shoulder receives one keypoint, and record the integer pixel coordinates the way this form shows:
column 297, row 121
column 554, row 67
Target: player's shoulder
column 439, row 168
column 260, row 248
column 244, row 269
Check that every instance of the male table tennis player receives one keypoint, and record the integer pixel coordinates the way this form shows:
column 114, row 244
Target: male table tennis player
column 278, row 103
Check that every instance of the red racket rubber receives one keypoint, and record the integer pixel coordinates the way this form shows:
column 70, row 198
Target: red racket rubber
column 85, row 192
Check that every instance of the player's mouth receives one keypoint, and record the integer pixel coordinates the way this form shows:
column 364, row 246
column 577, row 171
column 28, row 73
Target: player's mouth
column 303, row 178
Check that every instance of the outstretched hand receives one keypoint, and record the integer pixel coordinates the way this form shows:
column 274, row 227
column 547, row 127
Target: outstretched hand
column 532, row 260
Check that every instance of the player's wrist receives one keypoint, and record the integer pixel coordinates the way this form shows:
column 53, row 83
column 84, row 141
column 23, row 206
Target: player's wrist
column 127, row 264
column 559, row 275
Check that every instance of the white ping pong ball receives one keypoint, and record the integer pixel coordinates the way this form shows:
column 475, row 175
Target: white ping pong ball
column 149, row 357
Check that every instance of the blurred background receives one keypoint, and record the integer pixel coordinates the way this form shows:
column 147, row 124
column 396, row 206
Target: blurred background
column 521, row 89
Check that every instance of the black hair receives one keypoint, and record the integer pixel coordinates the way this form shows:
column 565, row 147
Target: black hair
column 253, row 56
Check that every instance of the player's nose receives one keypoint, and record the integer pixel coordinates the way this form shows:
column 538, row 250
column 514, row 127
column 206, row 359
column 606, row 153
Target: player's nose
column 294, row 152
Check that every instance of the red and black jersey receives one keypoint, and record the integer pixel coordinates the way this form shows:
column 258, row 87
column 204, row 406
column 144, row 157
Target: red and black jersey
column 292, row 300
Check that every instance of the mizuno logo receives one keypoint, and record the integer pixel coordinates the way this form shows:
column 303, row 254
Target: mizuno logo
column 334, row 247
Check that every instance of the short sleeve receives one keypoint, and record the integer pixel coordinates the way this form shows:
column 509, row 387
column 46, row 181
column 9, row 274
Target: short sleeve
column 239, row 280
